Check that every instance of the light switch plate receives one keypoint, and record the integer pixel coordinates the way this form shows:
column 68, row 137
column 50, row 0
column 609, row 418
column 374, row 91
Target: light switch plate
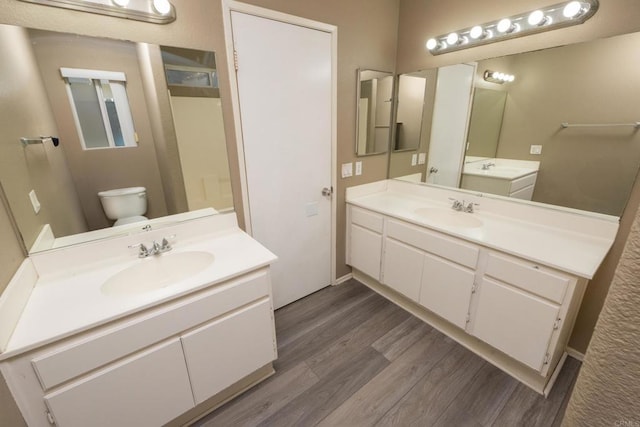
column 358, row 168
column 311, row 209
column 422, row 158
column 536, row 149
column 34, row 201
column 414, row 160
column 347, row 170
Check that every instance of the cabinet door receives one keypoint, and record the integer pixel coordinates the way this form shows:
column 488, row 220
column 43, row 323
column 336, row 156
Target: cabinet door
column 366, row 250
column 446, row 289
column 148, row 389
column 226, row 350
column 402, row 268
column 515, row 322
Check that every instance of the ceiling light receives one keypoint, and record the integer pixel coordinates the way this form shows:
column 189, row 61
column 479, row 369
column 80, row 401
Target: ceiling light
column 531, row 22
column 498, row 77
column 153, row 11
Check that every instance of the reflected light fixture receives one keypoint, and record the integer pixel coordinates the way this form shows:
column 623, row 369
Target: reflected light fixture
column 498, row 77
column 153, row 11
column 546, row 19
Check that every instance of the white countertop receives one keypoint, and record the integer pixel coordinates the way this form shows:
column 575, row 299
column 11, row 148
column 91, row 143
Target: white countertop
column 561, row 240
column 61, row 305
column 507, row 169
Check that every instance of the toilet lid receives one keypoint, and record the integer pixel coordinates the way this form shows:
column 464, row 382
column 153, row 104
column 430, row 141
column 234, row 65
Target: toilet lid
column 131, row 219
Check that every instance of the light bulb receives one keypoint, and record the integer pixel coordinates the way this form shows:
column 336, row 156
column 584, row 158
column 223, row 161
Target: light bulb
column 511, row 78
column 453, row 38
column 572, row 9
column 162, row 6
column 504, row 25
column 432, row 44
column 536, row 18
column 476, row 32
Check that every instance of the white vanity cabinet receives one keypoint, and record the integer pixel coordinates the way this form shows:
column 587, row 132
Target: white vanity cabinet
column 483, row 298
column 519, row 188
column 151, row 367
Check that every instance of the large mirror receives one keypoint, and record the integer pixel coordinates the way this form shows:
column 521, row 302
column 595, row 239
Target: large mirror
column 565, row 127
column 374, row 102
column 164, row 144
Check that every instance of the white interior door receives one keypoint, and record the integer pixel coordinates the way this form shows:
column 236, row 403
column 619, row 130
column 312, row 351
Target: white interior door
column 451, row 110
column 285, row 90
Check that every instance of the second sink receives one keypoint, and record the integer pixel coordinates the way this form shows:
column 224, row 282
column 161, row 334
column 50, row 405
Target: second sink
column 156, row 272
column 449, row 217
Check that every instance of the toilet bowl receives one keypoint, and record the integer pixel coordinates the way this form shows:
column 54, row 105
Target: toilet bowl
column 124, row 205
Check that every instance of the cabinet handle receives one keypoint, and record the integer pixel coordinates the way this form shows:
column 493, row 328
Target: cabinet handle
column 536, row 267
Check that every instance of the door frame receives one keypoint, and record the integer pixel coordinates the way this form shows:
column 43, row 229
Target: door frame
column 229, row 6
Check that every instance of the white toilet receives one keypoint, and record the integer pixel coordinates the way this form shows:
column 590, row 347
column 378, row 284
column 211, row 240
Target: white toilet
column 124, row 205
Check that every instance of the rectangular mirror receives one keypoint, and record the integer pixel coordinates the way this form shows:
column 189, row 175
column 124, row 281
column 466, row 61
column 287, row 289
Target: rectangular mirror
column 169, row 156
column 374, row 101
column 516, row 127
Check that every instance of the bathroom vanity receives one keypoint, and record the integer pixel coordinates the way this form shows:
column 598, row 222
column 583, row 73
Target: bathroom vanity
column 93, row 335
column 505, row 281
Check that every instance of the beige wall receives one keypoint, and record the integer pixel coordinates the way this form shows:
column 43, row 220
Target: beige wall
column 607, row 392
column 103, row 169
column 24, row 112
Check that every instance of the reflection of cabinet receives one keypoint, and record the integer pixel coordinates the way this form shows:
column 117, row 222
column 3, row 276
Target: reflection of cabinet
column 483, row 298
column 154, row 366
column 519, row 188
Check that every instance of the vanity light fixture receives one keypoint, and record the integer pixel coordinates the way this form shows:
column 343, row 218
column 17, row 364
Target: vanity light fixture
column 549, row 18
column 153, row 11
column 498, row 77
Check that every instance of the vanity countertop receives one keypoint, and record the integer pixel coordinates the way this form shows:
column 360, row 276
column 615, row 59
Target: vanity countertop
column 64, row 303
column 572, row 241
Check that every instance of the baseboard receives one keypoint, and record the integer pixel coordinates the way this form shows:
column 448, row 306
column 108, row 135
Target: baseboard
column 575, row 354
column 346, row 277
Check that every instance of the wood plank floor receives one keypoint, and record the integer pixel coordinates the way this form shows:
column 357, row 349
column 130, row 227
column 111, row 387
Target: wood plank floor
column 348, row 357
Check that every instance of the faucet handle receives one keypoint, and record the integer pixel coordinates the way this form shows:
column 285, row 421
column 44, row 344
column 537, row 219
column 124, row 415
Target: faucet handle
column 469, row 208
column 166, row 245
column 143, row 252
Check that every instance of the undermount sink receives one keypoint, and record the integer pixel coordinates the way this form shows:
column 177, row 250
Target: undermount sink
column 156, row 272
column 449, row 218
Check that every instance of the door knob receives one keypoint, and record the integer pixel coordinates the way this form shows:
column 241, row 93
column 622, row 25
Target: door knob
column 327, row 191
column 433, row 170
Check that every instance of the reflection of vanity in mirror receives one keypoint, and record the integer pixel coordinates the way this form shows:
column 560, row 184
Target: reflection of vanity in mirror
column 374, row 97
column 165, row 140
column 581, row 167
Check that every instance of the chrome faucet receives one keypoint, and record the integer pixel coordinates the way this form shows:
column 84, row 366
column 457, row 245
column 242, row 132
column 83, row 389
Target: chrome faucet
column 155, row 248
column 457, row 204
column 486, row 166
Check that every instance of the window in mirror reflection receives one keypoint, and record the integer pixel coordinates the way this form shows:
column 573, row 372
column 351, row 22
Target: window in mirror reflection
column 100, row 108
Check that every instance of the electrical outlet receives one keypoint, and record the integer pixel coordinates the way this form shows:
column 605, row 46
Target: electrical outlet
column 34, row 201
column 536, row 149
column 414, row 160
column 422, row 158
column 358, row 168
column 347, row 170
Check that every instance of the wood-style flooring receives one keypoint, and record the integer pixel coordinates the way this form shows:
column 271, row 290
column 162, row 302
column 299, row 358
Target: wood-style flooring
column 348, row 357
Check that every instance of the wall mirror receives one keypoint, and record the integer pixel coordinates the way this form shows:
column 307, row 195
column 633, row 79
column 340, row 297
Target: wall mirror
column 591, row 164
column 179, row 156
column 374, row 100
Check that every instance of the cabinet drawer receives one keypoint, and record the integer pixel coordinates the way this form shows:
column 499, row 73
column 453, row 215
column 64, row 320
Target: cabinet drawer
column 437, row 243
column 230, row 348
column 528, row 276
column 149, row 389
column 366, row 219
column 108, row 345
column 523, row 182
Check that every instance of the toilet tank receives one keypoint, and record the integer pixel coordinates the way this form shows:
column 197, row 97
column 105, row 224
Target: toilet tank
column 124, row 202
